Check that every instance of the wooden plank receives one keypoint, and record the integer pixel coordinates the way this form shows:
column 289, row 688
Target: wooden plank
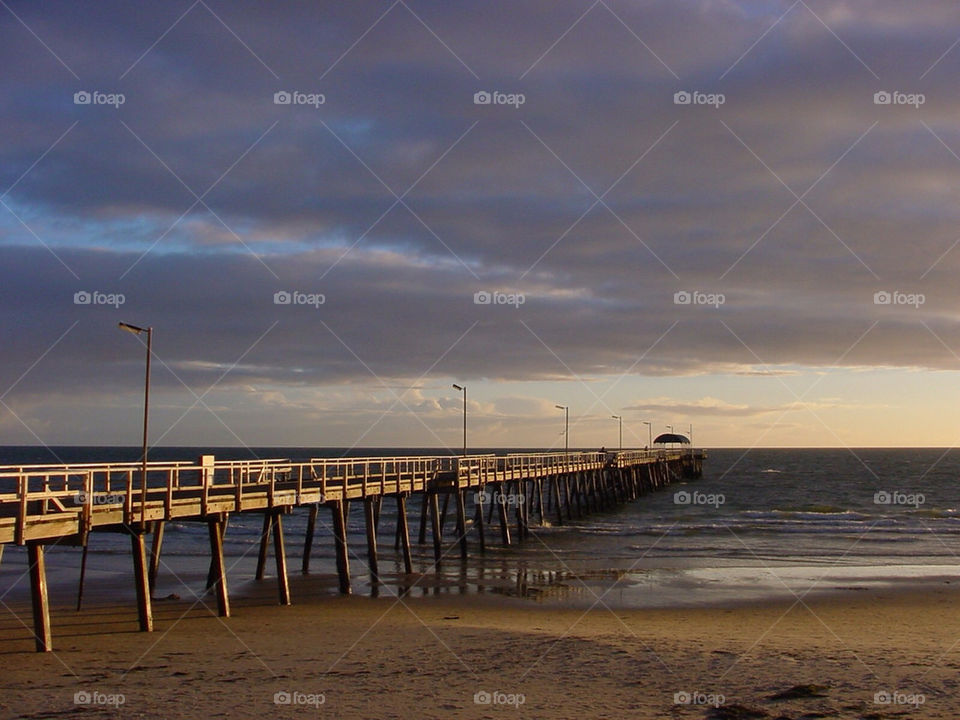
column 41, row 601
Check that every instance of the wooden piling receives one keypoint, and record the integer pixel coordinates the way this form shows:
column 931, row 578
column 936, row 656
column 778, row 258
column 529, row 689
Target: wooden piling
column 436, row 527
column 502, row 512
column 369, row 512
column 403, row 529
column 41, row 601
column 462, row 524
column 308, row 539
column 216, row 528
column 280, row 553
column 155, row 548
column 141, row 579
column 264, row 544
column 340, row 513
column 478, row 520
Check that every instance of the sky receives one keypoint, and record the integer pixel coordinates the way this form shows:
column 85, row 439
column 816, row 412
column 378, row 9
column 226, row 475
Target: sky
column 736, row 216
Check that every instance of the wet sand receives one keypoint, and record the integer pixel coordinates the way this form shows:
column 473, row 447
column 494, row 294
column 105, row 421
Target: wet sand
column 483, row 656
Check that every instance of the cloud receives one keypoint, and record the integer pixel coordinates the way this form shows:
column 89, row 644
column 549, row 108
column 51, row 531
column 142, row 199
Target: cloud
column 398, row 198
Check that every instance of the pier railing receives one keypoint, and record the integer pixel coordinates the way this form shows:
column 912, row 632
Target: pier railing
column 43, row 501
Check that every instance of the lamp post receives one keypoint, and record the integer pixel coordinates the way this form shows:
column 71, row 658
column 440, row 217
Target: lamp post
column 566, row 427
column 463, row 389
column 146, row 414
column 620, row 418
column 649, row 433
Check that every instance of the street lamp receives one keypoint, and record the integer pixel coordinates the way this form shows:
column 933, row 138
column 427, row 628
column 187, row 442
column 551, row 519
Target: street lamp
column 566, row 427
column 649, row 433
column 620, row 418
column 463, row 389
column 146, row 414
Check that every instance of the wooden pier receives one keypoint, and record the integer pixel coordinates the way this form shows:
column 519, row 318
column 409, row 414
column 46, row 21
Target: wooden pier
column 63, row 504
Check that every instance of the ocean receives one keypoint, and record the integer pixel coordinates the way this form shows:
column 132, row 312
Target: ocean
column 765, row 523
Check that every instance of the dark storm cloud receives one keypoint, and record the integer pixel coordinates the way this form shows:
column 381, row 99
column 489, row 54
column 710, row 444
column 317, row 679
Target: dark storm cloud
column 503, row 198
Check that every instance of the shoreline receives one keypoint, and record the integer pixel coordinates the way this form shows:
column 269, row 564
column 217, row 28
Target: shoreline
column 432, row 655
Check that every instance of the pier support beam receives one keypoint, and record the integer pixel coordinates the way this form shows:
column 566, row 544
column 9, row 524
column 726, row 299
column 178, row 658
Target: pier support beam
column 369, row 511
column 216, row 528
column 308, row 539
column 138, row 546
column 501, row 499
column 41, row 602
column 403, row 530
column 462, row 523
column 437, row 528
column 478, row 521
column 341, row 512
column 155, row 553
column 280, row 553
column 264, row 544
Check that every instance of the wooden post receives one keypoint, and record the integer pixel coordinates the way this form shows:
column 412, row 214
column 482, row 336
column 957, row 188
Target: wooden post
column 41, row 602
column 403, row 529
column 140, row 575
column 264, row 543
column 369, row 512
column 280, row 553
column 462, row 523
column 215, row 528
column 436, row 527
column 340, row 510
column 155, row 553
column 308, row 540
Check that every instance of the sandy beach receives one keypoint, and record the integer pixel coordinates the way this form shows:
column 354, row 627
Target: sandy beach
column 475, row 656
